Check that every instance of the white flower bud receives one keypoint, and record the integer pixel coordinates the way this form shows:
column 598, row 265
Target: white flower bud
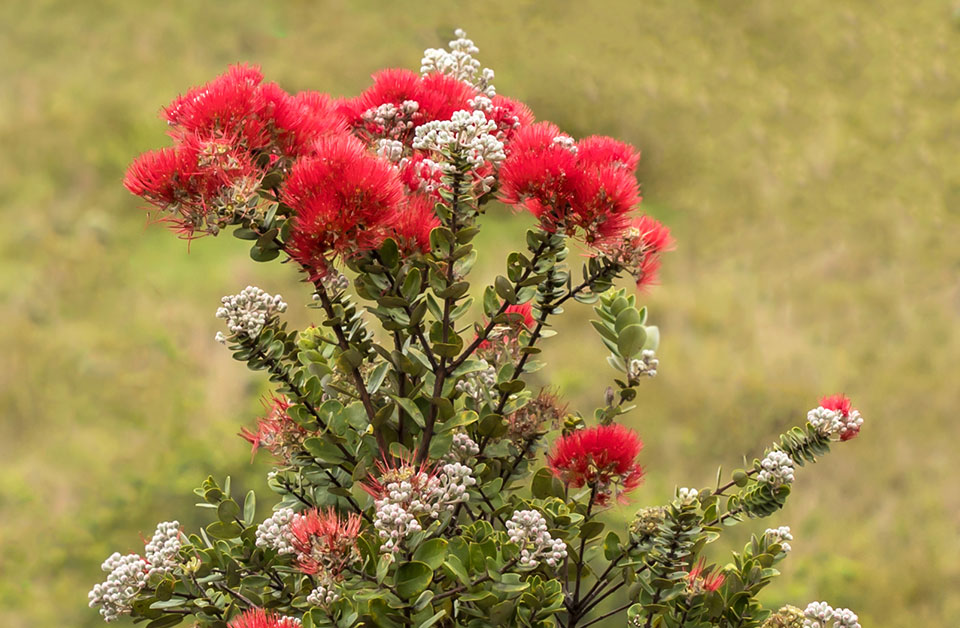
column 249, row 311
column 274, row 533
column 528, row 529
column 776, row 469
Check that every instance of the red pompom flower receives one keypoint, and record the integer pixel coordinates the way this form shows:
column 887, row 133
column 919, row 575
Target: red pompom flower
column 849, row 420
column 344, row 198
column 637, row 248
column 277, row 432
column 590, row 194
column 602, row 457
column 259, row 618
column 412, row 224
column 325, row 542
column 701, row 579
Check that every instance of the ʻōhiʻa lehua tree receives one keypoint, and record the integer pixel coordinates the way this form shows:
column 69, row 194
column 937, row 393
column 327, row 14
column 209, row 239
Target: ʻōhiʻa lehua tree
column 421, row 481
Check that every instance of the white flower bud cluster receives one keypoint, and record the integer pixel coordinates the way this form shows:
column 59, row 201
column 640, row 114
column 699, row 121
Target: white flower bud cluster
column 567, row 142
column 391, row 150
column 644, row 366
column 845, row 618
column 466, row 133
column 820, row 614
column 115, row 595
column 459, row 63
column 776, row 469
column 687, row 496
column 161, row 551
column 420, row 495
column 448, row 489
column 481, row 103
column 780, row 535
column 323, row 595
column 246, row 313
column 528, row 529
column 479, row 384
column 462, row 448
column 389, row 116
column 394, row 523
column 833, row 423
column 274, row 533
column 129, row 574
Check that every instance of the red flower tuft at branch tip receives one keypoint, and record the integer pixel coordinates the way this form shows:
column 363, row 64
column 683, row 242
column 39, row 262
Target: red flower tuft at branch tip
column 259, row 618
column 602, row 457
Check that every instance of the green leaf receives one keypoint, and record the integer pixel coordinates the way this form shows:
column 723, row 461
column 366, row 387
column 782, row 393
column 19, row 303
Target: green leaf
column 412, row 578
column 221, row 530
column 260, row 254
column 505, row 289
column 389, row 253
column 464, row 417
column 491, row 304
column 323, row 450
column 545, row 485
column 454, row 567
column 631, row 340
column 410, row 408
column 432, row 553
column 433, row 620
column 228, row 511
column 398, row 450
column 411, row 284
column 250, row 508
column 591, row 529
column 165, row 621
column 377, row 376
column 611, row 545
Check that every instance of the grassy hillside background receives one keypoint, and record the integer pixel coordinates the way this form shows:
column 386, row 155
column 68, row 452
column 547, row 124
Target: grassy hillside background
column 804, row 155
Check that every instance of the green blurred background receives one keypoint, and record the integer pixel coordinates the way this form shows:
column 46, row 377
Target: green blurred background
column 804, row 155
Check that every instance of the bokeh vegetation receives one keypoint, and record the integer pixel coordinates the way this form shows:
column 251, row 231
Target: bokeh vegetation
column 804, row 154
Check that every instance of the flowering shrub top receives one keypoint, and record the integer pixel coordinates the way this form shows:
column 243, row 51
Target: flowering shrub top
column 416, row 485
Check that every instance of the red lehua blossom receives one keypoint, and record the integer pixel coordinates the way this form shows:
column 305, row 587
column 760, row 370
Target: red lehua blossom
column 637, row 247
column 535, row 174
column 324, row 541
column 391, row 86
column 229, row 105
column 299, row 121
column 276, row 432
column 437, row 96
column 411, row 225
column 840, row 403
column 202, row 182
column 217, row 162
column 343, row 197
column 395, row 469
column 837, row 403
column 602, row 200
column 440, row 95
column 259, row 618
column 603, row 457
column 593, row 193
column 599, row 150
column 709, row 581
column 510, row 116
column 162, row 177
